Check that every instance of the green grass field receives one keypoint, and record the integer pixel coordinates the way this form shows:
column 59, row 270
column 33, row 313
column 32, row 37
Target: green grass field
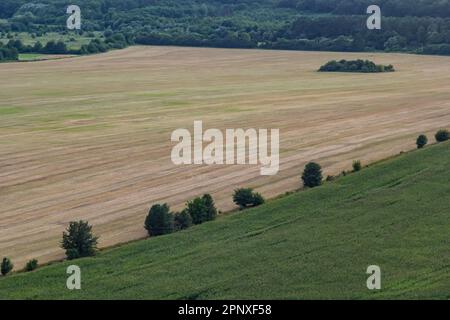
column 33, row 57
column 312, row 244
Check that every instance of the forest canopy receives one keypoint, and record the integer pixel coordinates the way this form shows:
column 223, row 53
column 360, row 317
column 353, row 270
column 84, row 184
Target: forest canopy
column 421, row 26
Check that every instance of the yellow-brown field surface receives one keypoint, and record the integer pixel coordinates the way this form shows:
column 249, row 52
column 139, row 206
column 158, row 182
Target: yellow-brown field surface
column 89, row 137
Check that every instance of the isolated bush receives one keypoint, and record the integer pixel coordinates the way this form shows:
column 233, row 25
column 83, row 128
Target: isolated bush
column 6, row 266
column 159, row 220
column 202, row 209
column 442, row 135
column 422, row 141
column 182, row 220
column 78, row 240
column 53, row 47
column 312, row 175
column 245, row 197
column 357, row 165
column 31, row 265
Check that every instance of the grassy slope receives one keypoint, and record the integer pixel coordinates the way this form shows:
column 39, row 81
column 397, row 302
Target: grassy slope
column 313, row 244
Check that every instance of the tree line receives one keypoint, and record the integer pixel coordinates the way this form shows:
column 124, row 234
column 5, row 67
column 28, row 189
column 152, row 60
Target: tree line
column 113, row 41
column 331, row 25
column 78, row 240
column 8, row 53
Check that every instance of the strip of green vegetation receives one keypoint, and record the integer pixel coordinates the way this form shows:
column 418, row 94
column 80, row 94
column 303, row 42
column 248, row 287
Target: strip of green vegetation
column 312, row 244
column 31, row 56
column 9, row 110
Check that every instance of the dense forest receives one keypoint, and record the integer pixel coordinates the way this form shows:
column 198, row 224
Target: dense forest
column 420, row 26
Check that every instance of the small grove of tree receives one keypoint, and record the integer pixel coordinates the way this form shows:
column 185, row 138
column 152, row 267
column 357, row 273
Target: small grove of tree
column 202, row 209
column 182, row 220
column 442, row 135
column 31, row 265
column 78, row 240
column 53, row 47
column 312, row 175
column 245, row 197
column 421, row 141
column 6, row 266
column 364, row 66
column 357, row 166
column 159, row 220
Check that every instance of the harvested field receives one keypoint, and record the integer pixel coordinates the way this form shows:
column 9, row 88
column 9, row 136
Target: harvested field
column 89, row 137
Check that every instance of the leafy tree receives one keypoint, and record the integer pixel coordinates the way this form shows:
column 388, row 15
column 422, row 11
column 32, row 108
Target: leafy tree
column 357, row 165
column 78, row 240
column 312, row 175
column 245, row 197
column 37, row 47
column 6, row 266
column 182, row 220
column 159, row 220
column 211, row 210
column 202, row 209
column 197, row 209
column 421, row 141
column 31, row 265
column 442, row 135
column 258, row 199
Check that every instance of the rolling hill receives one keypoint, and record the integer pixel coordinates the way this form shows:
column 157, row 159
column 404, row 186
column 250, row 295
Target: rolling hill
column 312, row 244
column 92, row 141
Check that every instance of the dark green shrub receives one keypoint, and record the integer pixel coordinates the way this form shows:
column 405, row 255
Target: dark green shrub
column 421, row 141
column 31, row 265
column 211, row 210
column 72, row 254
column 442, row 135
column 78, row 240
column 257, row 199
column 182, row 220
column 197, row 210
column 312, row 175
column 159, row 220
column 202, row 209
column 245, row 197
column 357, row 165
column 6, row 266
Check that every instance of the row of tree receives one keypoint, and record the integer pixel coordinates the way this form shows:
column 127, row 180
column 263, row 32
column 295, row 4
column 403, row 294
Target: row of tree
column 440, row 136
column 115, row 41
column 79, row 241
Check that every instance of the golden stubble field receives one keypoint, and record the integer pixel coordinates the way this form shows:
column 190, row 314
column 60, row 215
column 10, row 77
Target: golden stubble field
column 89, row 137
